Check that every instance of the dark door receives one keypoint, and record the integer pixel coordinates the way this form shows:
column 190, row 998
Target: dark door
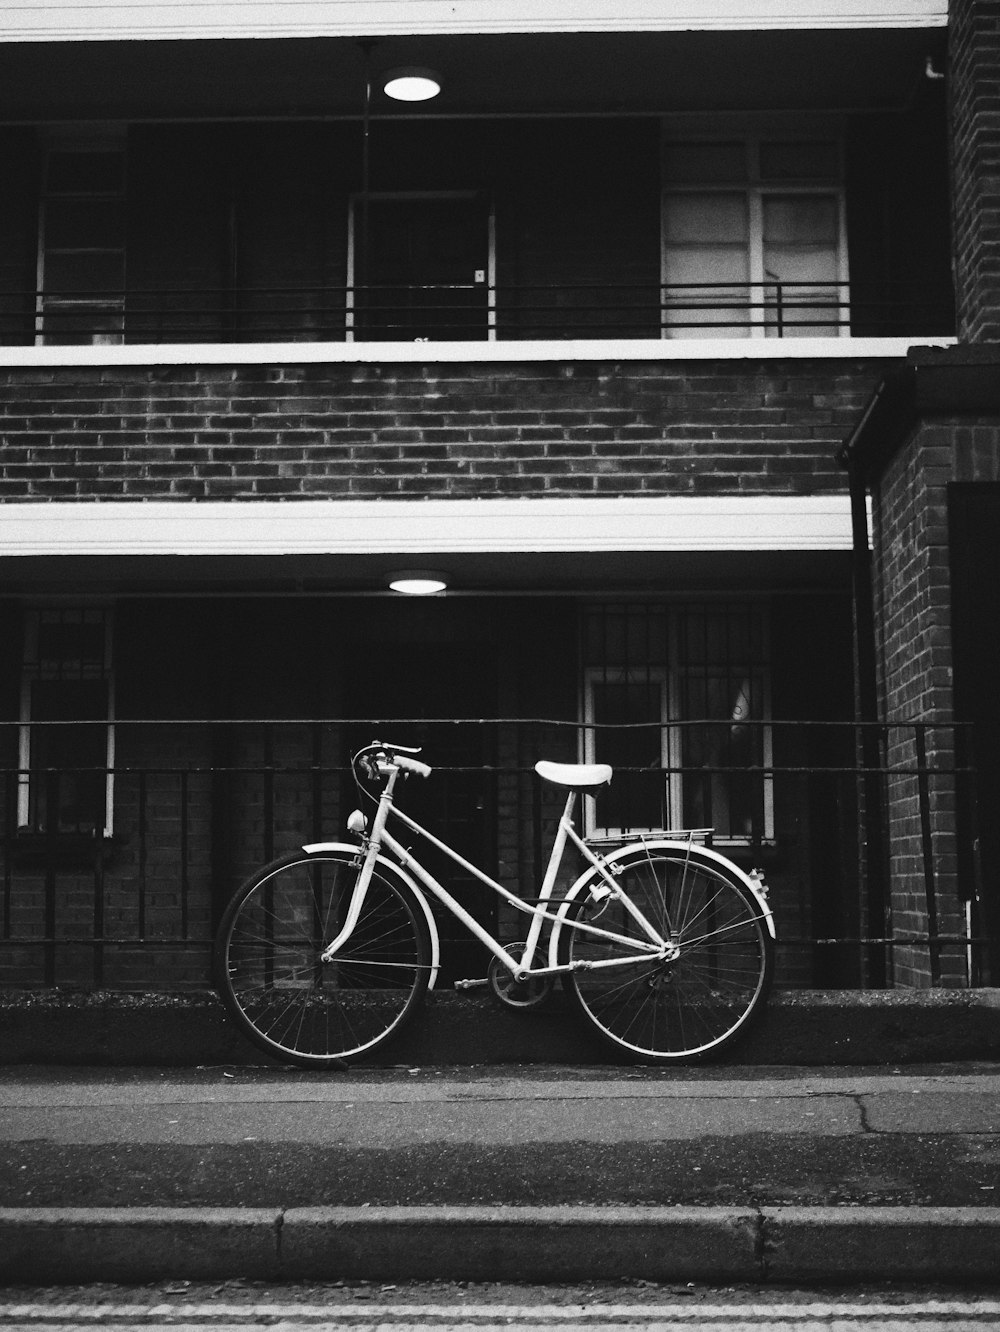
column 974, row 525
column 421, row 267
column 431, row 695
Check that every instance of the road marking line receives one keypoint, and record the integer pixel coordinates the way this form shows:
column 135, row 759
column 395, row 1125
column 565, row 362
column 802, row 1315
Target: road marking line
column 367, row 1312
column 362, row 1321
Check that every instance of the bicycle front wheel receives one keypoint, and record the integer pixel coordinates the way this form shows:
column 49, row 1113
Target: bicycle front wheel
column 267, row 960
column 692, row 1007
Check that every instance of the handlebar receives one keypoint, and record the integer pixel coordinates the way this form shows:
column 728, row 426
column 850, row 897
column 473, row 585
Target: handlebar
column 411, row 765
column 378, row 758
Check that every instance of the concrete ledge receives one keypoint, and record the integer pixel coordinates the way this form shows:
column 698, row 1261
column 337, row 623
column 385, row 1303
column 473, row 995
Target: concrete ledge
column 799, row 1027
column 142, row 1244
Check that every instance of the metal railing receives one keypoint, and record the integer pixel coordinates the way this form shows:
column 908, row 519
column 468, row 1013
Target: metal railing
column 126, row 894
column 475, row 312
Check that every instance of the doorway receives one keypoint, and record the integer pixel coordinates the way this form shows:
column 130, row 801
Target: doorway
column 973, row 523
column 420, row 267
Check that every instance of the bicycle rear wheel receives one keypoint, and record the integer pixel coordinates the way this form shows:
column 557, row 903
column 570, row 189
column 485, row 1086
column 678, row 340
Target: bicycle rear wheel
column 268, row 969
column 693, row 1007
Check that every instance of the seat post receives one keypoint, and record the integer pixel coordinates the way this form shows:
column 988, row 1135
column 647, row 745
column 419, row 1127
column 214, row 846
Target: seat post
column 549, row 881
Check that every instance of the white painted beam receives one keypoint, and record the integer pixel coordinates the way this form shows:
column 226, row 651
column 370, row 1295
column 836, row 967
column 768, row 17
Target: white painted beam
column 117, row 20
column 569, row 350
column 654, row 524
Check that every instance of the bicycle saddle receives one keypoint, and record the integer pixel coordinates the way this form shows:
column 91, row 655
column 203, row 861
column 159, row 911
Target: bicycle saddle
column 578, row 776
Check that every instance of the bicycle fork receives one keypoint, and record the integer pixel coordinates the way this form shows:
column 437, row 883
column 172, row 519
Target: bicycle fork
column 360, row 893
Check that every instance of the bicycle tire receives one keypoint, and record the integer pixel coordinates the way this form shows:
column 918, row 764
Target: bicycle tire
column 690, row 1009
column 272, row 983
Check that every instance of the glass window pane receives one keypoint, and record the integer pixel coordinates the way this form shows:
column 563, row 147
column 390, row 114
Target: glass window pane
column 637, row 795
column 70, row 648
column 86, row 172
column 799, row 161
column 693, row 310
column 707, row 263
column 68, row 762
column 705, row 163
column 800, row 219
column 705, row 219
column 84, row 273
column 719, row 792
column 807, row 265
column 89, row 325
column 801, row 252
column 84, row 224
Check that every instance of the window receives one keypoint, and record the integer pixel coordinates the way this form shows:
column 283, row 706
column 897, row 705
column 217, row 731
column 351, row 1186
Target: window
column 676, row 699
column 81, row 246
column 753, row 239
column 67, row 723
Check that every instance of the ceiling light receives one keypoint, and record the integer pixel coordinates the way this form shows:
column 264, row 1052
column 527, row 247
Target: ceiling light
column 418, row 582
column 412, row 84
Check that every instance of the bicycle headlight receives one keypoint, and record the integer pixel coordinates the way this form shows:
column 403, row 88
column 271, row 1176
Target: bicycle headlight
column 356, row 822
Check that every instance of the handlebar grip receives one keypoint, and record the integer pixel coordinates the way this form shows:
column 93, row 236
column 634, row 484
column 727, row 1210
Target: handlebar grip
column 411, row 765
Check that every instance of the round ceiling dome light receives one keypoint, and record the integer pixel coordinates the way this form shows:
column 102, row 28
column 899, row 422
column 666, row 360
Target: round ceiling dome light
column 412, row 84
column 418, row 582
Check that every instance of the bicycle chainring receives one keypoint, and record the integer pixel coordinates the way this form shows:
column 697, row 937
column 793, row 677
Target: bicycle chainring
column 520, row 995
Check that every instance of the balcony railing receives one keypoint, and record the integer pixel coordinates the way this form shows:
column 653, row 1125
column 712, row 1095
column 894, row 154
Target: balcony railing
column 475, row 312
column 125, row 894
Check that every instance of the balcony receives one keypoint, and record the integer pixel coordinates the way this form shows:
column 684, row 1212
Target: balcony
column 476, row 312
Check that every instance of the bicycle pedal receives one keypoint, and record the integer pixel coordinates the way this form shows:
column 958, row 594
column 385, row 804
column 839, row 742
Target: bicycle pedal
column 470, row 984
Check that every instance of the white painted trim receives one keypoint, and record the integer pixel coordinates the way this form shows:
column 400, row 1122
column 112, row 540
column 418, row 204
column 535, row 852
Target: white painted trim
column 351, row 353
column 118, row 20
column 735, row 523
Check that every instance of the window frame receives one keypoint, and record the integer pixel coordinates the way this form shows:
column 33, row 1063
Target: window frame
column 30, row 674
column 48, row 307
column 640, row 675
column 754, row 189
column 671, row 675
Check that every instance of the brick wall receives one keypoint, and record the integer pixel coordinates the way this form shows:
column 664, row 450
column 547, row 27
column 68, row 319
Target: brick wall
column 914, row 594
column 370, row 431
column 974, row 32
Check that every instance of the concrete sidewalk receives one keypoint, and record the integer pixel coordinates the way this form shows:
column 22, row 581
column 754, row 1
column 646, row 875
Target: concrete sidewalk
column 743, row 1173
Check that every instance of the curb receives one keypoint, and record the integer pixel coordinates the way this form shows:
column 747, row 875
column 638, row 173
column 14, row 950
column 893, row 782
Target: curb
column 544, row 1244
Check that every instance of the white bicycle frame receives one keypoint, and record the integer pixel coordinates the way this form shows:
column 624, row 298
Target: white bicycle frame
column 654, row 946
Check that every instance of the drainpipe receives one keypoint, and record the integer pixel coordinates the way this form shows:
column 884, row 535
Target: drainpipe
column 874, row 843
column 361, row 238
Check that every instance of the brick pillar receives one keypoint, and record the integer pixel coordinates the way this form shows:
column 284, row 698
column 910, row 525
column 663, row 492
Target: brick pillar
column 913, row 594
column 974, row 99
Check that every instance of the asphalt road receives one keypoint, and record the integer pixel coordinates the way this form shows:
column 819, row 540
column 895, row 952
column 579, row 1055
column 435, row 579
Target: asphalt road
column 274, row 1137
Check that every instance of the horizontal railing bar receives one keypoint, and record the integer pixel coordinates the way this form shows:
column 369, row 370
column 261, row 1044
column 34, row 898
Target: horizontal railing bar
column 111, row 940
column 355, row 722
column 717, row 769
column 227, row 292
column 151, row 941
column 339, row 311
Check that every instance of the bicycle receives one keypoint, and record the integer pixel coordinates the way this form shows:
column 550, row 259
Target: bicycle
column 663, row 945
